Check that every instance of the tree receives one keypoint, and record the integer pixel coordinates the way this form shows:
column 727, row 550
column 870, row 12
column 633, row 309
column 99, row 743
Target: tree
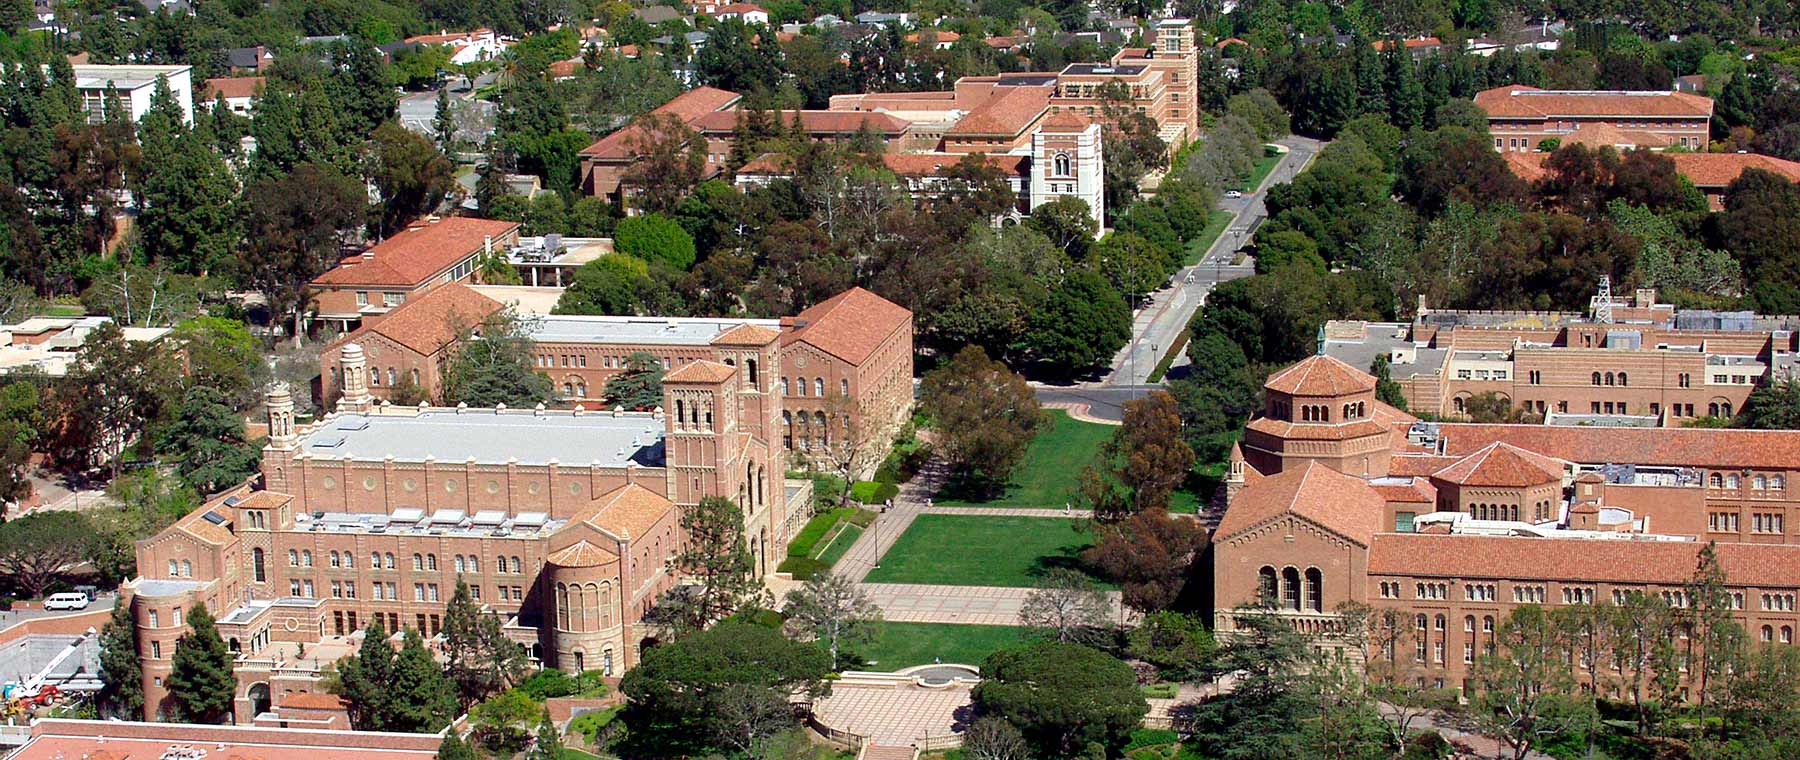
column 39, row 548
column 1522, row 691
column 677, row 695
column 1180, row 645
column 639, row 385
column 1386, row 390
column 443, row 121
column 1150, row 555
column 201, row 684
column 1492, row 407
column 833, row 611
column 292, row 229
column 992, row 738
column 186, row 216
column 716, row 559
column 671, row 162
column 480, row 659
column 364, row 680
column 502, row 719
column 15, row 462
column 1068, row 222
column 222, row 354
column 117, row 391
column 1772, row 406
column 1067, row 606
column 548, row 744
column 654, row 238
column 498, row 368
column 1149, row 454
column 610, row 285
column 1061, row 696
column 206, row 442
column 409, row 172
column 453, row 748
column 986, row 415
column 423, row 699
column 1761, row 227
column 853, row 445
column 121, row 674
column 1080, row 325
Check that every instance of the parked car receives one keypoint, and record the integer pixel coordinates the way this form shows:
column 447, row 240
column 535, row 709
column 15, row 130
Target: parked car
column 73, row 600
column 1234, row 193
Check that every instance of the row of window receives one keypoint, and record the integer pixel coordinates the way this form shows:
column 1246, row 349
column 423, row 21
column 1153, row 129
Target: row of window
column 1288, row 587
column 385, row 560
column 1528, row 594
column 798, row 387
column 387, row 591
column 389, row 300
column 1757, row 482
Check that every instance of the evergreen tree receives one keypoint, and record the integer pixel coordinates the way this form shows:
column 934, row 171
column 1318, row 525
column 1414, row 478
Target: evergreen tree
column 1406, row 99
column 717, row 560
column 359, row 89
column 454, row 748
column 364, row 680
column 639, row 386
column 207, row 442
column 1386, row 390
column 423, row 699
column 549, row 743
column 481, row 659
column 121, row 674
column 188, row 221
column 443, row 122
column 201, row 684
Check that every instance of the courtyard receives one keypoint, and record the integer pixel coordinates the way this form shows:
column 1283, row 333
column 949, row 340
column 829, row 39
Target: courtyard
column 982, row 550
column 1047, row 475
column 903, row 645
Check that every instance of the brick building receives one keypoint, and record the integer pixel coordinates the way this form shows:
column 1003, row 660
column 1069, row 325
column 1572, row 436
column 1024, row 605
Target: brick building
column 65, row 739
column 561, row 522
column 1643, row 360
column 1521, row 117
column 855, row 344
column 432, row 252
column 1335, row 497
column 1710, row 172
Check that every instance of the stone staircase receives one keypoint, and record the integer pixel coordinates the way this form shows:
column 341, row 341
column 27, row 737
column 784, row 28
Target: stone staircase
column 887, row 752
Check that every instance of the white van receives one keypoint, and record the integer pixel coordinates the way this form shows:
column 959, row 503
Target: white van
column 73, row 600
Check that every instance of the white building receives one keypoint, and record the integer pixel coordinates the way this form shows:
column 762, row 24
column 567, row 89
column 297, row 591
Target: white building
column 1067, row 161
column 135, row 85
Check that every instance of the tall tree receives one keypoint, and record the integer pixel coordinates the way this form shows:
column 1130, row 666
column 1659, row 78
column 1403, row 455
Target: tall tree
column 121, row 673
column 423, row 699
column 986, row 414
column 1066, row 605
column 480, row 659
column 201, row 683
column 1062, row 696
column 639, row 385
column 207, row 443
column 116, row 392
column 548, row 743
column 1386, row 390
column 38, row 549
column 1080, row 326
column 293, row 226
column 498, row 368
column 686, row 697
column 365, row 680
column 671, row 163
column 411, row 174
column 717, row 559
column 1523, row 689
column 832, row 610
column 1151, row 556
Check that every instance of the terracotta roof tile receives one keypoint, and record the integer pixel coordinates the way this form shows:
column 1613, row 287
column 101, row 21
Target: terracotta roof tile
column 1519, row 101
column 1417, row 465
column 687, row 106
column 1333, row 500
column 582, row 554
column 849, row 325
column 1410, row 44
column 1408, row 491
column 1065, row 121
column 700, row 372
column 417, row 253
column 816, row 122
column 231, row 87
column 1601, row 134
column 312, row 700
column 1318, row 431
column 628, row 511
column 1320, row 376
column 1719, row 448
column 1720, row 169
column 1502, row 465
column 1528, row 166
column 938, row 35
column 1599, row 561
column 935, row 164
column 747, row 335
column 1013, row 111
column 428, row 322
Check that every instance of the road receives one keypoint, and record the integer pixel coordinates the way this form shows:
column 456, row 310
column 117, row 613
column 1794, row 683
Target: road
column 1160, row 322
column 1103, row 401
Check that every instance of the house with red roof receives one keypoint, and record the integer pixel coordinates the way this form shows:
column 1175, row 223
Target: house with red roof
column 432, row 252
column 1521, row 117
column 237, row 92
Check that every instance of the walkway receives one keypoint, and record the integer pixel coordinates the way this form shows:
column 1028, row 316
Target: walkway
column 894, row 715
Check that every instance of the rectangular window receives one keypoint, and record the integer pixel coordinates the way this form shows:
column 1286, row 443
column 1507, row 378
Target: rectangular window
column 393, row 299
column 153, row 621
column 362, row 298
column 1403, row 522
column 418, row 592
column 156, row 651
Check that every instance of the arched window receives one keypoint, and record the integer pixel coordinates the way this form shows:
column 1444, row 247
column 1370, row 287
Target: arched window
column 1596, row 378
column 1623, row 379
column 258, row 568
column 1725, row 409
column 387, row 560
column 1060, row 165
column 1717, row 480
column 393, row 377
column 418, row 561
column 751, row 365
column 1778, row 482
column 375, row 560
column 306, row 557
column 460, row 567
column 294, row 556
column 335, row 561
column 1732, row 481
column 1469, row 624
column 1266, row 585
column 1768, row 633
column 819, row 387
column 174, row 569
column 800, row 381
column 431, row 562
column 374, row 376
column 844, row 386
column 415, row 376
column 1315, row 594
column 1290, row 588
column 1457, row 403
column 784, row 386
column 1760, row 482
column 1609, row 378
column 474, row 564
column 1787, row 634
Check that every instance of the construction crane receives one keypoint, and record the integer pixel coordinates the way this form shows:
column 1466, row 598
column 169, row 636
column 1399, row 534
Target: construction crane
column 21, row 696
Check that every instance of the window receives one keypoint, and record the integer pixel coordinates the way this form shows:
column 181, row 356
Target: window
column 1290, row 588
column 433, row 589
column 293, row 558
column 819, row 387
column 460, row 566
column 335, row 560
column 1403, row 522
column 418, row 592
column 306, row 557
column 1315, row 595
column 387, row 560
column 375, row 560
column 153, row 621
column 474, row 564
column 431, row 562
column 1767, row 523
column 844, row 386
column 418, row 562
column 258, row 568
column 293, row 587
column 156, row 651
column 362, row 298
column 784, row 386
column 174, row 569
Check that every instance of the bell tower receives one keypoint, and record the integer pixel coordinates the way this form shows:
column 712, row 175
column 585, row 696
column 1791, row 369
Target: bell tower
column 355, row 365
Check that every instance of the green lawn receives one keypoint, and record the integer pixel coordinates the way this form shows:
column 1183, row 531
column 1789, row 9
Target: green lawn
column 1261, row 170
column 977, row 550
column 1046, row 477
column 1216, row 222
column 903, row 645
column 834, row 551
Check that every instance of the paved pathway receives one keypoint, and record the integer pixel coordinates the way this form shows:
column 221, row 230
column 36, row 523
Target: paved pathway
column 1081, row 514
column 894, row 715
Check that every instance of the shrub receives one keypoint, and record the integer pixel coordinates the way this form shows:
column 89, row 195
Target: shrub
column 590, row 724
column 1160, row 691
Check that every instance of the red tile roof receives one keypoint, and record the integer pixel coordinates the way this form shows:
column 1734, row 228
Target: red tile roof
column 1528, row 166
column 849, row 325
column 231, row 87
column 418, row 253
column 630, row 510
column 427, row 322
column 815, row 122
column 739, row 9
column 1335, row 501
column 1585, row 560
column 747, row 335
column 312, row 700
column 903, row 164
column 1710, row 170
column 687, row 107
column 1065, row 121
column 1601, row 134
column 1320, row 375
column 1501, row 465
column 938, row 35
column 700, row 372
column 582, row 554
column 1410, row 44
column 1409, row 491
column 1519, row 101
column 1011, row 112
column 1720, row 448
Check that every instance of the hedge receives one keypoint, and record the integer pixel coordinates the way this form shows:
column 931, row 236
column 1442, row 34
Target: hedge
column 871, row 492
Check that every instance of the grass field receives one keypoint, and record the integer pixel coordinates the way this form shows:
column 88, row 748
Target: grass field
column 903, row 645
column 834, row 551
column 1216, row 222
column 1261, row 170
column 971, row 550
column 1046, row 477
